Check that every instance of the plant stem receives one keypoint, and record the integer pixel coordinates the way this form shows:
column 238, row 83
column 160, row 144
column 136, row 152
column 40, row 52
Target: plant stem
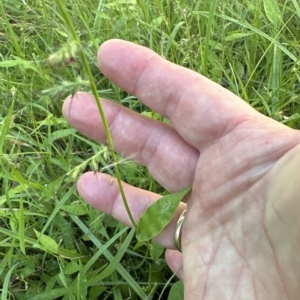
column 87, row 69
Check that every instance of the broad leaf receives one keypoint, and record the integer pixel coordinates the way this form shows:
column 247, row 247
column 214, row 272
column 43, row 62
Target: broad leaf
column 49, row 244
column 158, row 215
column 176, row 292
column 76, row 209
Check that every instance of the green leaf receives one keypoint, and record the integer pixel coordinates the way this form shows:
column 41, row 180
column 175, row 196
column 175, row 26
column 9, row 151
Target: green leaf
column 59, row 205
column 293, row 119
column 115, row 261
column 158, row 215
column 75, row 209
column 236, row 36
column 82, row 290
column 28, row 269
column 51, row 294
column 152, row 292
column 96, row 291
column 70, row 254
column 176, row 292
column 47, row 242
column 6, row 283
column 17, row 62
column 21, row 227
column 60, row 134
column 297, row 7
column 156, row 250
column 120, row 269
column 5, row 126
column 272, row 12
column 10, row 63
column 71, row 268
column 156, row 22
column 3, row 264
column 276, row 78
column 171, row 38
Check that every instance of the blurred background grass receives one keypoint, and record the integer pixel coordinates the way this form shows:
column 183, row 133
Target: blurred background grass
column 52, row 245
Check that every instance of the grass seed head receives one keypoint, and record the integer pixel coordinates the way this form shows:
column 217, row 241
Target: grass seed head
column 66, row 55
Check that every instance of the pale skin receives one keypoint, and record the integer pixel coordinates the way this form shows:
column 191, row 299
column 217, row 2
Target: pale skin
column 241, row 234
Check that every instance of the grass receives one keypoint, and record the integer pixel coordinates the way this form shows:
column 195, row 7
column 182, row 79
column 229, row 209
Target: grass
column 52, row 245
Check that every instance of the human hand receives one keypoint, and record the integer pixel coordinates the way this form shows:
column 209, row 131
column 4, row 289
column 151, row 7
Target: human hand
column 241, row 234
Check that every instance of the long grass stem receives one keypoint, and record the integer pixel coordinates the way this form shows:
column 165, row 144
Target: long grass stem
column 66, row 17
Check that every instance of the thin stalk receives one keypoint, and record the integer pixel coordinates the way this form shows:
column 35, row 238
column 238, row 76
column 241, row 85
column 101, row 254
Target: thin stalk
column 209, row 28
column 65, row 15
column 10, row 32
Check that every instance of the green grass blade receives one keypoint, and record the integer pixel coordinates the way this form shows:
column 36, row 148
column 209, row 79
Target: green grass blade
column 6, row 283
column 10, row 32
column 21, row 227
column 60, row 134
column 50, row 295
column 272, row 12
column 97, row 20
column 276, row 78
column 96, row 256
column 209, row 29
column 5, row 127
column 82, row 285
column 121, row 270
column 260, row 33
column 116, row 290
column 297, row 7
column 58, row 207
column 116, row 260
column 171, row 38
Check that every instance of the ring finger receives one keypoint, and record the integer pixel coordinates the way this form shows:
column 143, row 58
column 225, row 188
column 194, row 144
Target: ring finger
column 102, row 192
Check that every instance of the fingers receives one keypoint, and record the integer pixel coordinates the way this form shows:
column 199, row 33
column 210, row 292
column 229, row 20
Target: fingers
column 102, row 192
column 174, row 261
column 200, row 110
column 151, row 143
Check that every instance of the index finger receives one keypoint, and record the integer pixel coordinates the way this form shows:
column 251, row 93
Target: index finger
column 199, row 109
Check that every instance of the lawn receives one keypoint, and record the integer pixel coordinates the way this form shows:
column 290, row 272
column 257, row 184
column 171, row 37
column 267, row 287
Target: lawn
column 54, row 246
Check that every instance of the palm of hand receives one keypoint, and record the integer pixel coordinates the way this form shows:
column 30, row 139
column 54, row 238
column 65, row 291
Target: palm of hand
column 246, row 237
column 240, row 234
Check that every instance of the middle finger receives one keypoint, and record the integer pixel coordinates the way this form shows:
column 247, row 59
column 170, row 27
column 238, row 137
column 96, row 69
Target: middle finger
column 149, row 142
